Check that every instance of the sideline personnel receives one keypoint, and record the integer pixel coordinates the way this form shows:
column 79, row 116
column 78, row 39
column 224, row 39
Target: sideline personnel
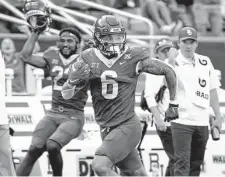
column 197, row 91
column 155, row 98
column 6, row 162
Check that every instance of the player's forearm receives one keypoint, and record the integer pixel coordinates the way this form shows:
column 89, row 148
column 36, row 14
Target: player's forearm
column 214, row 103
column 171, row 80
column 37, row 47
column 28, row 47
column 157, row 67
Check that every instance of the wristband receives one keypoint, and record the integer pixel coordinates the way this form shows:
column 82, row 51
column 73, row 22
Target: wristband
column 174, row 102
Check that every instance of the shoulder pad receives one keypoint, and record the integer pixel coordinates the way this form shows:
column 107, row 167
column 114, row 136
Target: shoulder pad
column 140, row 52
column 87, row 52
column 87, row 55
column 51, row 51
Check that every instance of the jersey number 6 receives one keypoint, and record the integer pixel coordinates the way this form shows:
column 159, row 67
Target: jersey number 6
column 106, row 82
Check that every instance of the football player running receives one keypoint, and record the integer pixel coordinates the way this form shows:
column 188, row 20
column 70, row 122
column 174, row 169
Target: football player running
column 65, row 120
column 114, row 69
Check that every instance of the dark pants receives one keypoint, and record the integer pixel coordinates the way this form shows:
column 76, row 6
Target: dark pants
column 167, row 142
column 189, row 144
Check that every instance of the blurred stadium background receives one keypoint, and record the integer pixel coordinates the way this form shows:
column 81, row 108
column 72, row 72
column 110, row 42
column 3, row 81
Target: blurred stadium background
column 145, row 22
column 141, row 30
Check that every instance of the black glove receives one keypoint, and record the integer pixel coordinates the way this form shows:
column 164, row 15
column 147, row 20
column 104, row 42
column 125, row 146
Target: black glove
column 11, row 131
column 143, row 103
column 171, row 112
column 160, row 94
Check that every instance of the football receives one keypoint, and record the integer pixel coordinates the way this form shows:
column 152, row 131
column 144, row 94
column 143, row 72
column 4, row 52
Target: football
column 80, row 65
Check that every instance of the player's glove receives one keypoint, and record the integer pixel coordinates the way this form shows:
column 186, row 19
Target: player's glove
column 78, row 72
column 171, row 112
column 11, row 131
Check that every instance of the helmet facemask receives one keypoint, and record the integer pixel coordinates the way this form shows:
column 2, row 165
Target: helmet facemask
column 111, row 44
column 39, row 21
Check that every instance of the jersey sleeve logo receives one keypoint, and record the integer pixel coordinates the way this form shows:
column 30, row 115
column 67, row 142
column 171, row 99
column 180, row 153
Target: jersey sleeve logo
column 95, row 65
column 127, row 56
